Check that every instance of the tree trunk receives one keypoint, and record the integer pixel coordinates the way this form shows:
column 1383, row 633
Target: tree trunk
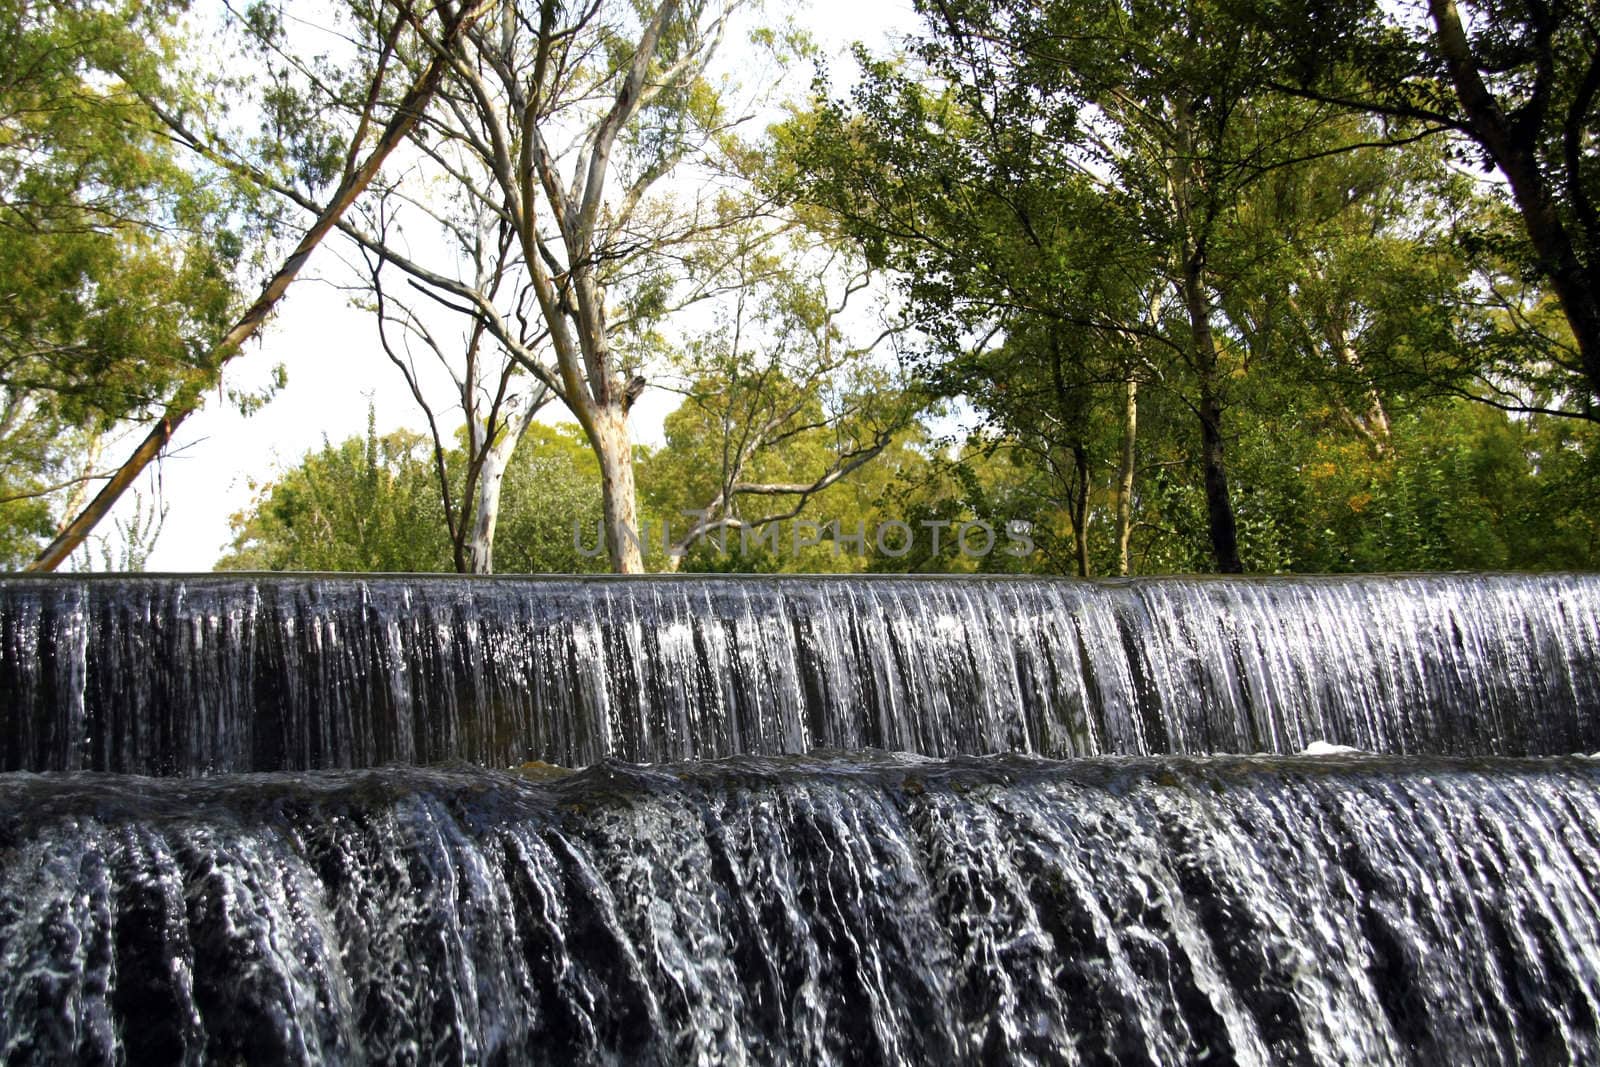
column 1080, row 508
column 491, row 477
column 1130, row 432
column 1202, row 354
column 1372, row 425
column 1579, row 301
column 608, row 434
column 1219, row 504
column 480, row 549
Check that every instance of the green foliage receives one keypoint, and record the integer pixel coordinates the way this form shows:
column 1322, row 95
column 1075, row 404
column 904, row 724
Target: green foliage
column 550, row 505
column 1068, row 195
column 1462, row 487
column 116, row 257
column 366, row 504
column 785, row 413
column 1515, row 87
column 373, row 504
column 1076, row 196
column 679, row 480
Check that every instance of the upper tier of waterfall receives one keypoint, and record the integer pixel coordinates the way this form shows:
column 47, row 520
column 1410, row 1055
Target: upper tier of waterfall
column 182, row 675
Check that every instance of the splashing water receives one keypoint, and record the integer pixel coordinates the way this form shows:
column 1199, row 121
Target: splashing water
column 846, row 910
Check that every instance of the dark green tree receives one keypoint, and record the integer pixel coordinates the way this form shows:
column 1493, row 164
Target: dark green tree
column 1516, row 84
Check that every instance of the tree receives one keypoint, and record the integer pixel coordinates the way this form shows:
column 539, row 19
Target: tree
column 1026, row 272
column 363, row 505
column 116, row 260
column 1519, row 81
column 1048, row 174
column 490, row 389
column 1069, row 146
column 552, row 504
column 1169, row 102
column 779, row 405
column 561, row 123
column 371, row 504
column 311, row 149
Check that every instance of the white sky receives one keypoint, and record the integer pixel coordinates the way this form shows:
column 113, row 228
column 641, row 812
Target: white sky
column 335, row 366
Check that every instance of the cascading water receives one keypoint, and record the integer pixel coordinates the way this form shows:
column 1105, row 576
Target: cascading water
column 194, row 675
column 785, row 896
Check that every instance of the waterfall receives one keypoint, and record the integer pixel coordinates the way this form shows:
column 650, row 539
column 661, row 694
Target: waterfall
column 209, row 674
column 310, row 819
column 855, row 910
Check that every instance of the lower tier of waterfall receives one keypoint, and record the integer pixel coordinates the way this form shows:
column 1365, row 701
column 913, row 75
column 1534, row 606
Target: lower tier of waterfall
column 208, row 674
column 835, row 908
